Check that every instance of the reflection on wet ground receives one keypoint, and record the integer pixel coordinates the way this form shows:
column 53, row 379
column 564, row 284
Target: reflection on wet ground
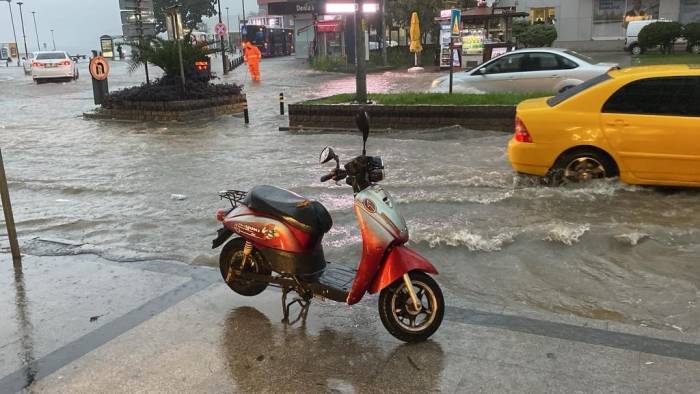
column 265, row 358
column 131, row 191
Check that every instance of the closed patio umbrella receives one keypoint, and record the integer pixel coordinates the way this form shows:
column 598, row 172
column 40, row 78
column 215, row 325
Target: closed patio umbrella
column 416, row 46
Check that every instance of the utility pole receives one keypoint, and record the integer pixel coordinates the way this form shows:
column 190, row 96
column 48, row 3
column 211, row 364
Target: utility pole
column 243, row 5
column 221, row 39
column 24, row 35
column 360, row 72
column 228, row 21
column 36, row 30
column 7, row 209
column 53, row 39
column 14, row 33
column 139, row 15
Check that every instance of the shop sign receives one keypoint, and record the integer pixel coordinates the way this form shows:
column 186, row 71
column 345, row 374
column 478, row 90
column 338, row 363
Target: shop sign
column 292, row 8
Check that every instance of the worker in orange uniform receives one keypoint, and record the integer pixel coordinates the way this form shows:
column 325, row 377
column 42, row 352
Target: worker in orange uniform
column 252, row 55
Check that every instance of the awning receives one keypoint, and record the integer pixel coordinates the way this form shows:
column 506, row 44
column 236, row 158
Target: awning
column 333, row 26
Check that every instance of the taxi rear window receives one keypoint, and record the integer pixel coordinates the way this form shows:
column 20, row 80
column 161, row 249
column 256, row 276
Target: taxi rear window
column 552, row 101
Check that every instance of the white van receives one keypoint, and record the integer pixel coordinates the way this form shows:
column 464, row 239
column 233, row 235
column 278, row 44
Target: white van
column 632, row 32
column 631, row 40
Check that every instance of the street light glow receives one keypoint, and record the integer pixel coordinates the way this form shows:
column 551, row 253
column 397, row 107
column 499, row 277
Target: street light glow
column 349, row 8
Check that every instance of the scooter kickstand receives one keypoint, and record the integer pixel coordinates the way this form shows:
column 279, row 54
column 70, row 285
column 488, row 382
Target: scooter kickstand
column 286, row 307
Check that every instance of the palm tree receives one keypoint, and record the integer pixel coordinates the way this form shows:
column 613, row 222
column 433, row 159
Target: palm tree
column 164, row 55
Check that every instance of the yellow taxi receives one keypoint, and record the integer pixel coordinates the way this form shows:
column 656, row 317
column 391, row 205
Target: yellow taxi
column 640, row 123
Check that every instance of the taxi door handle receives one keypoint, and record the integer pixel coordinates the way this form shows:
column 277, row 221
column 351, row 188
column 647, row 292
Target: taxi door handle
column 618, row 123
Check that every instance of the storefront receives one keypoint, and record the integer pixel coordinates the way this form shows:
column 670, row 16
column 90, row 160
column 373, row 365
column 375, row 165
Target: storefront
column 300, row 13
column 598, row 24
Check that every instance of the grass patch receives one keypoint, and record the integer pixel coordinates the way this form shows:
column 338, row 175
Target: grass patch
column 649, row 59
column 433, row 98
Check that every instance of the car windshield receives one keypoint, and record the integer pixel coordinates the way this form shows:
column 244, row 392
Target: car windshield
column 50, row 55
column 552, row 101
column 577, row 55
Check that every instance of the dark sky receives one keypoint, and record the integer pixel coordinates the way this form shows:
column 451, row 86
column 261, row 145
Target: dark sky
column 77, row 24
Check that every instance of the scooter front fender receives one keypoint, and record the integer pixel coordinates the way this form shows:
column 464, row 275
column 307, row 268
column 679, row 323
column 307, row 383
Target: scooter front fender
column 399, row 261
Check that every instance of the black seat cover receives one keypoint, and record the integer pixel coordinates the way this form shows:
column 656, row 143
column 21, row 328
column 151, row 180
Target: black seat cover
column 312, row 215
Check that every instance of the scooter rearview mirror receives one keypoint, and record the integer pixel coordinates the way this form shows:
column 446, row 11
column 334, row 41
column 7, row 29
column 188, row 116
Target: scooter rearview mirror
column 362, row 120
column 327, row 155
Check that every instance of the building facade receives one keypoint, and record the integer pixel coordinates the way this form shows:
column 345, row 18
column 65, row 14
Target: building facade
column 600, row 24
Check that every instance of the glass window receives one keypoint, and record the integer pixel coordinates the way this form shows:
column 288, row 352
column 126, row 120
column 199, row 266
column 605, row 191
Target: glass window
column 565, row 63
column 674, row 96
column 552, row 101
column 50, row 55
column 542, row 61
column 507, row 64
column 542, row 15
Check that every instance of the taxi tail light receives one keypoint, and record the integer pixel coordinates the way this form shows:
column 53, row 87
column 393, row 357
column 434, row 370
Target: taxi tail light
column 37, row 64
column 65, row 63
column 521, row 133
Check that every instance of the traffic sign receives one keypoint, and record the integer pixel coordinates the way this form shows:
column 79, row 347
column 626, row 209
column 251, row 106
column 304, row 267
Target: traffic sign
column 99, row 68
column 220, row 29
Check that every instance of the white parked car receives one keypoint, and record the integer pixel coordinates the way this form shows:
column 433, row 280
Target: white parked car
column 53, row 65
column 526, row 70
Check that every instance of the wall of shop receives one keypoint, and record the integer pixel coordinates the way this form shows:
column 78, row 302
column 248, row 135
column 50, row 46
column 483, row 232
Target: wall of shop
column 603, row 20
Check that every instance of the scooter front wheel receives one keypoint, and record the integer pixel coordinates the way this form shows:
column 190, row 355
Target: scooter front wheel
column 399, row 315
column 232, row 258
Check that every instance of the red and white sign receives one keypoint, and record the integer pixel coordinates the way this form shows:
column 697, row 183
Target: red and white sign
column 220, row 29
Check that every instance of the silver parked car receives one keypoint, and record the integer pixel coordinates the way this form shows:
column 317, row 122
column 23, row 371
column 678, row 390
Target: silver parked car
column 526, row 70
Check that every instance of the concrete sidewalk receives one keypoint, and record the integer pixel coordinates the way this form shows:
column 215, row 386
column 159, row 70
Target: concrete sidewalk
column 82, row 324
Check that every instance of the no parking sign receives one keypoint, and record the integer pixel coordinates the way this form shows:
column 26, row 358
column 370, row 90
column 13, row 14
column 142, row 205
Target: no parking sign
column 220, row 29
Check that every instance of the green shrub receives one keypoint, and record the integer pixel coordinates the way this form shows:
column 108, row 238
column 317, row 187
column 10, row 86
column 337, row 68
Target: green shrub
column 691, row 32
column 661, row 34
column 329, row 63
column 538, row 36
column 163, row 90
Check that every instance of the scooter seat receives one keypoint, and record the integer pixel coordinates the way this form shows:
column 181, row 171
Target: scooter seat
column 307, row 215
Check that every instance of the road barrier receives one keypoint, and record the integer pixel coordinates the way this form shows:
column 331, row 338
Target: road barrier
column 281, row 103
column 245, row 112
column 235, row 62
column 7, row 209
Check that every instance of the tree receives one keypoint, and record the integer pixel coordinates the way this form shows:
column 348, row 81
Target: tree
column 538, row 36
column 192, row 12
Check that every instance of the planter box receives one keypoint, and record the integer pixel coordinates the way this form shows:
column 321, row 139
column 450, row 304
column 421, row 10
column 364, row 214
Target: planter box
column 182, row 111
column 342, row 116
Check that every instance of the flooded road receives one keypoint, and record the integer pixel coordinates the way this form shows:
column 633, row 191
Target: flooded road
column 131, row 191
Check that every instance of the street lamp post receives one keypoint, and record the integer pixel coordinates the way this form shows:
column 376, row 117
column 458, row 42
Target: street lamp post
column 228, row 20
column 53, row 39
column 243, row 6
column 36, row 31
column 14, row 33
column 24, row 34
column 360, row 72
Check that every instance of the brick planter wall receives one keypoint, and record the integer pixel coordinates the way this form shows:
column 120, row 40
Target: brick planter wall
column 342, row 116
column 183, row 111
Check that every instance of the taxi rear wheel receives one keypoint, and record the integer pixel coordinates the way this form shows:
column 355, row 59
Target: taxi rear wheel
column 582, row 166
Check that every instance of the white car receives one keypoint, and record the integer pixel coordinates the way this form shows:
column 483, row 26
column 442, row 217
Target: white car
column 548, row 70
column 53, row 65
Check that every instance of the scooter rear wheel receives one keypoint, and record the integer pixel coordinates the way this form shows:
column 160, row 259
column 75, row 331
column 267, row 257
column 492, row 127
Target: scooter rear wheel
column 400, row 317
column 232, row 254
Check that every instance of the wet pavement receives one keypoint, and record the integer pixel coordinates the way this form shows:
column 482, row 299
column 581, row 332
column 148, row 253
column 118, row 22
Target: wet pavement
column 607, row 256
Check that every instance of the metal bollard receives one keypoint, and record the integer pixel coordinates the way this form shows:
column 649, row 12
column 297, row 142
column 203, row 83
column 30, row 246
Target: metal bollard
column 281, row 103
column 246, row 117
column 7, row 209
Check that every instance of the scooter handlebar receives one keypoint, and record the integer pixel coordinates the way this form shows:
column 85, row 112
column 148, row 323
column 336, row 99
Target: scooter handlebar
column 336, row 175
column 327, row 177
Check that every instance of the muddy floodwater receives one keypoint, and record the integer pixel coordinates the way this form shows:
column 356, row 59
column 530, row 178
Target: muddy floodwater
column 133, row 191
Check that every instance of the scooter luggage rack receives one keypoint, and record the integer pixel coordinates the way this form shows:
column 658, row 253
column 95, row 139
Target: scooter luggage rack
column 233, row 196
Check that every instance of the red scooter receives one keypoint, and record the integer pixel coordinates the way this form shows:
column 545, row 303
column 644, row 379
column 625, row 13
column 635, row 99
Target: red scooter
column 278, row 243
